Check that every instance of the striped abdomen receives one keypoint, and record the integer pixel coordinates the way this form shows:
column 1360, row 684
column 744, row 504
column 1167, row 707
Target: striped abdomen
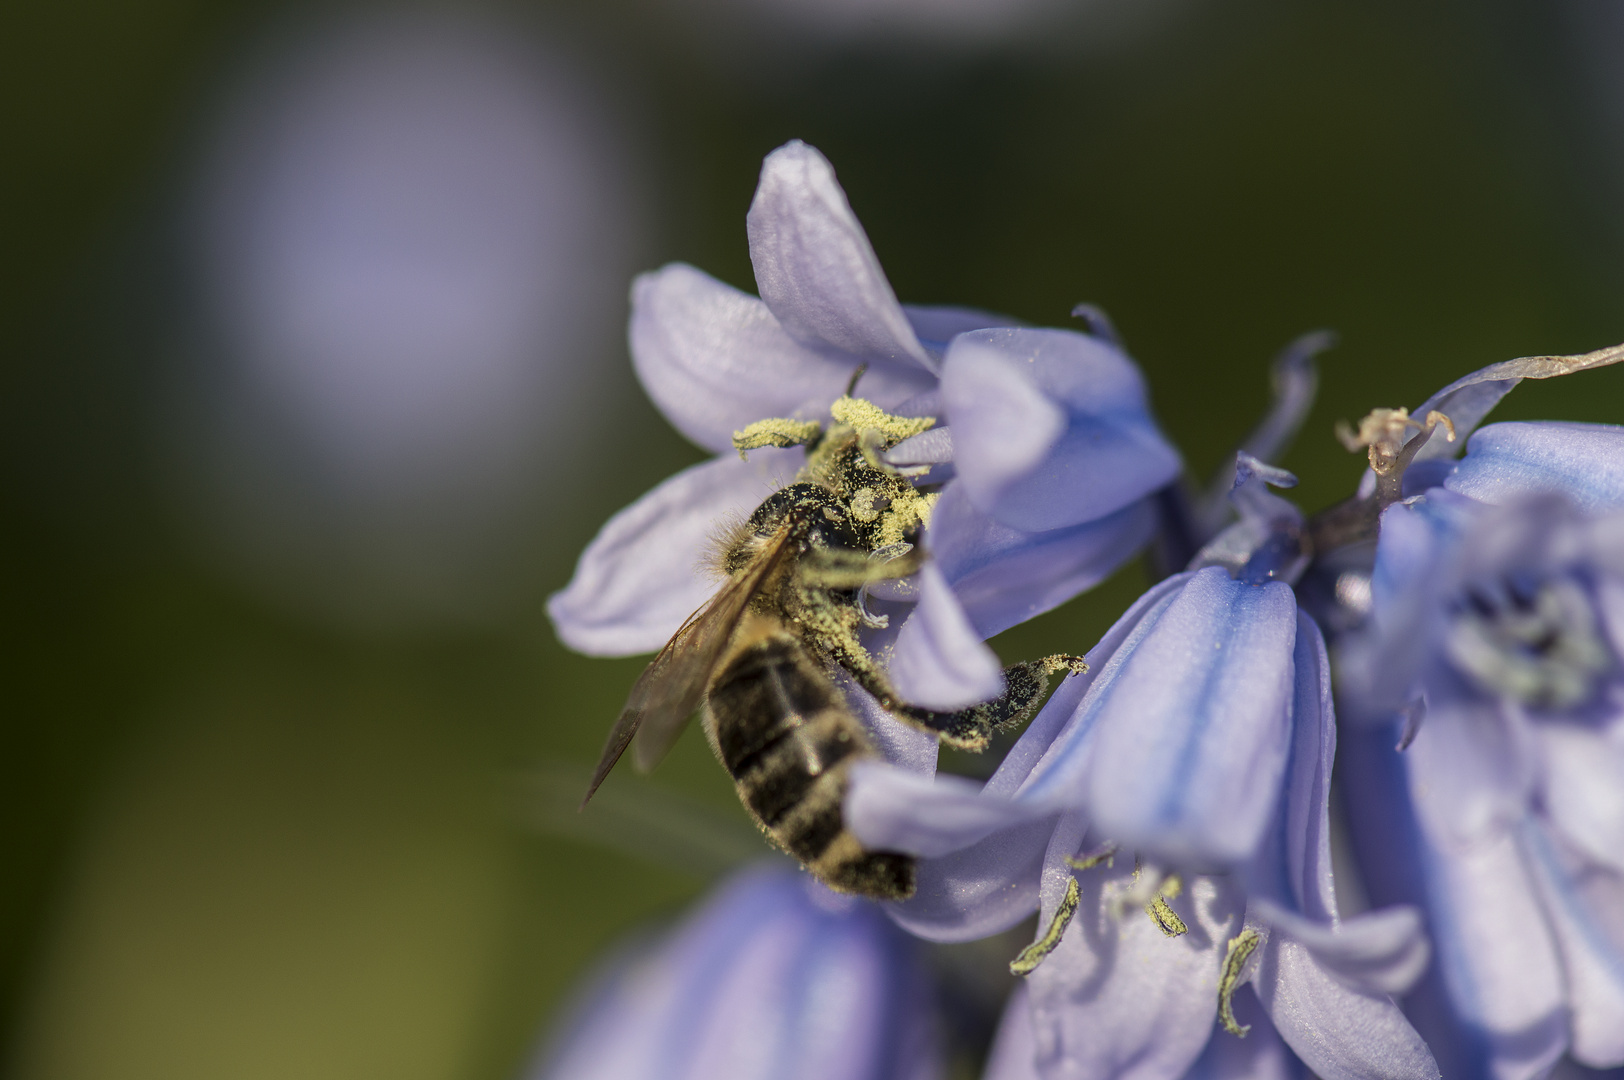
column 787, row 737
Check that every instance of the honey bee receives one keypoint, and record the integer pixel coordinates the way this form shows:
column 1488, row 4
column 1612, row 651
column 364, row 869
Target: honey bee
column 762, row 655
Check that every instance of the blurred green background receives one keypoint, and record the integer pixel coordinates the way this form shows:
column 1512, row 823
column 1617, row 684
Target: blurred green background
column 249, row 832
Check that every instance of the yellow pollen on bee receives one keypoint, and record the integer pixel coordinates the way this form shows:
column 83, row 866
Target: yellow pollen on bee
column 862, row 504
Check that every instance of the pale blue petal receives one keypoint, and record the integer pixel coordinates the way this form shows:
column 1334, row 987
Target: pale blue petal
column 939, row 661
column 1305, row 820
column 1193, row 740
column 646, row 571
column 933, row 447
column 1472, row 768
column 1582, row 791
column 1108, row 454
column 815, row 267
column 1497, row 956
column 982, row 890
column 891, row 809
column 1003, row 576
column 775, row 978
column 938, row 324
column 1493, row 1004
column 1340, row 1033
column 1048, row 765
column 1261, row 1055
column 1585, row 906
column 1380, row 952
column 1378, row 670
column 1466, row 406
column 1375, row 677
column 1583, row 462
column 715, row 359
column 1056, row 722
column 1014, row 1050
column 1568, row 1069
column 1295, row 381
column 1120, row 999
column 901, row 744
column 1191, row 734
column 1006, row 425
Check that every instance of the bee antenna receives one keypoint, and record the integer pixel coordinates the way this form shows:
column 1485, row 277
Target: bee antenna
column 862, row 369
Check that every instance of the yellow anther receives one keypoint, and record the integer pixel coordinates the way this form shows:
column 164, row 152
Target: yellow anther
column 1241, row 948
column 1166, row 919
column 1161, row 912
column 1033, row 954
column 1106, row 855
column 864, row 415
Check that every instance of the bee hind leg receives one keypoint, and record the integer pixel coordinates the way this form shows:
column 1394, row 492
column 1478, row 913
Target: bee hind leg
column 1026, row 685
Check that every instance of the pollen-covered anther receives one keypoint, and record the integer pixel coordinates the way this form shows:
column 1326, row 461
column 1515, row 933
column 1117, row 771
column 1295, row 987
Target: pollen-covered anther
column 863, row 415
column 1161, row 912
column 1230, row 978
column 1142, row 890
column 1031, row 956
column 776, row 431
column 1104, row 855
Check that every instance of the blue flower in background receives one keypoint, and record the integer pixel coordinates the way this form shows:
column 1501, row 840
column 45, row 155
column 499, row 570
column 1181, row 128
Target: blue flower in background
column 1497, row 609
column 1044, row 440
column 1167, row 814
column 773, row 978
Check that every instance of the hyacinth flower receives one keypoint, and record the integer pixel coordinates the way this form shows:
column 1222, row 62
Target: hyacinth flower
column 1492, row 654
column 1039, row 442
column 774, row 977
column 1167, row 815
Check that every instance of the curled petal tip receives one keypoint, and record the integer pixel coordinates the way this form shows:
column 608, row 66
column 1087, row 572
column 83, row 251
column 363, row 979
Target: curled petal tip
column 1247, row 467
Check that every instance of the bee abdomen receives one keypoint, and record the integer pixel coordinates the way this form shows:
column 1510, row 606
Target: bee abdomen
column 785, row 775
column 786, row 736
column 764, row 696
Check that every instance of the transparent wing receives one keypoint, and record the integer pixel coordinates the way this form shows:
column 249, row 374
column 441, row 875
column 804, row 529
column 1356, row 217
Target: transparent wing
column 672, row 686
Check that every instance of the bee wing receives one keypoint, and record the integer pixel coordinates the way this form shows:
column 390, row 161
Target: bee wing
column 673, row 684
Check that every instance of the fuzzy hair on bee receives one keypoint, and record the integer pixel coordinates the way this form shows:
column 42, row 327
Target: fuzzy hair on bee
column 761, row 655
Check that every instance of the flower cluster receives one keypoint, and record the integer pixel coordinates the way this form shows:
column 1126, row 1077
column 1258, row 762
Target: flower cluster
column 1167, row 815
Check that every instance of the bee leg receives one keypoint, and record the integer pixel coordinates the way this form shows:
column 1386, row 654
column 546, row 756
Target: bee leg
column 1025, row 687
column 837, row 570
